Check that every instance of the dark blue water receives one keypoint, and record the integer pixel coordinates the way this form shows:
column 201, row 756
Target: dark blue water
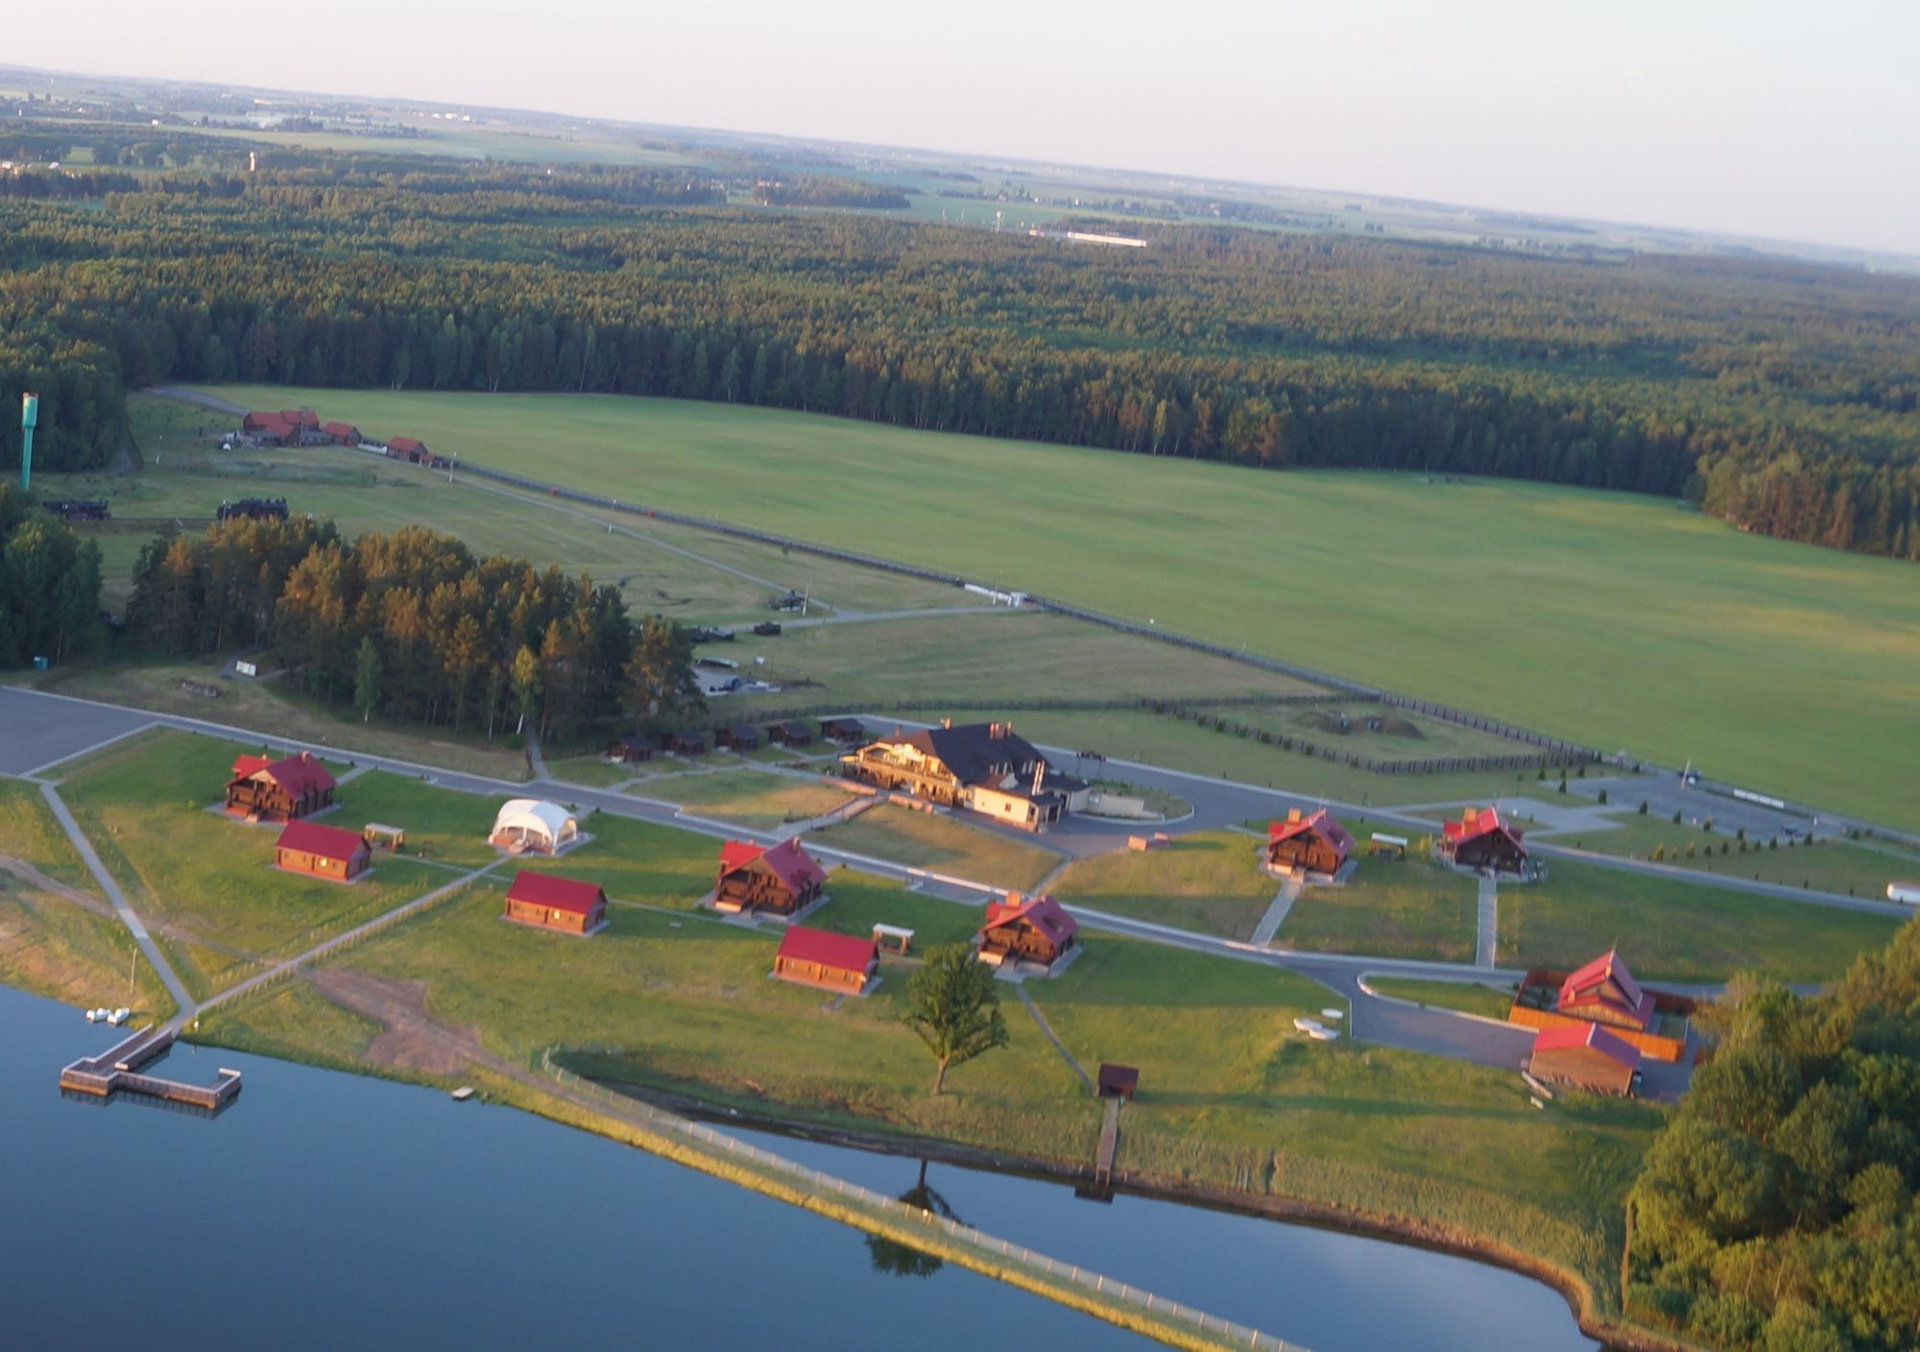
column 328, row 1211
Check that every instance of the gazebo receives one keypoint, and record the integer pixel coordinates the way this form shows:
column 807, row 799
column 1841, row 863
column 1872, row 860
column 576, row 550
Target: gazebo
column 532, row 824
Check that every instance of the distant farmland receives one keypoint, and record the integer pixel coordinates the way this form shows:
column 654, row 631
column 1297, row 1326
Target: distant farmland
column 1615, row 620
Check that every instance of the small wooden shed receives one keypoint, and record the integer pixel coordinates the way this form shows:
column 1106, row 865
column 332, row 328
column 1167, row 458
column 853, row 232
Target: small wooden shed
column 1116, row 1081
column 834, row 962
column 1585, row 1056
column 549, row 902
column 321, row 851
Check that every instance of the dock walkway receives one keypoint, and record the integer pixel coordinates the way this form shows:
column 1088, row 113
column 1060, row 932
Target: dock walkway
column 117, row 1070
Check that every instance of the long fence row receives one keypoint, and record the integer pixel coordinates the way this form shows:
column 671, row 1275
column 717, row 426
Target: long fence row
column 1328, row 751
column 1225, row 1332
column 1347, row 689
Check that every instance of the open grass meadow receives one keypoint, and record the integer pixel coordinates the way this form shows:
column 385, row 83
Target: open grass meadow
column 1669, row 930
column 206, row 880
column 1404, row 908
column 636, row 861
column 751, row 797
column 1209, row 881
column 940, row 844
column 1619, row 621
column 30, row 833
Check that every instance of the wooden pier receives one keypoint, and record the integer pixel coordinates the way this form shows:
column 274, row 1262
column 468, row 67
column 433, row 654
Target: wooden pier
column 117, row 1071
column 1109, row 1142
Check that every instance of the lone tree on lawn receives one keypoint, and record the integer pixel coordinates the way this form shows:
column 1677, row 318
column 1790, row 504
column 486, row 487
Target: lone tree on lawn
column 953, row 1006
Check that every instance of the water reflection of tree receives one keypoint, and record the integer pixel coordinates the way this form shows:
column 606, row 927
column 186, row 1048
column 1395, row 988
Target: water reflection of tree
column 903, row 1260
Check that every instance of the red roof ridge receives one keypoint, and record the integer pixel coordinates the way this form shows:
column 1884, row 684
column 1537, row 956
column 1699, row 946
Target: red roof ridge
column 846, row 952
column 329, row 842
column 554, row 891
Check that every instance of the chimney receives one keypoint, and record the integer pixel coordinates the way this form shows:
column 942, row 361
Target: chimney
column 946, row 723
column 1039, row 774
column 1293, row 814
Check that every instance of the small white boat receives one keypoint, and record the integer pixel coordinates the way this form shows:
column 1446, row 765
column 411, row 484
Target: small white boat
column 1319, row 1034
column 119, row 1016
column 1305, row 1024
column 1335, row 1014
column 95, row 1015
column 463, row 1093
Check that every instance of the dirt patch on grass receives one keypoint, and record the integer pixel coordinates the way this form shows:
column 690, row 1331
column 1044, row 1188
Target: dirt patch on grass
column 1339, row 723
column 410, row 1038
column 34, row 878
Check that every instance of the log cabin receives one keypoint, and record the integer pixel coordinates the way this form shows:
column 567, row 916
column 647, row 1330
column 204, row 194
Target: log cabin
column 1480, row 840
column 780, row 880
column 1605, row 992
column 1313, row 843
column 833, row 962
column 1585, row 1056
column 1026, row 929
column 278, row 791
column 322, row 851
column 549, row 902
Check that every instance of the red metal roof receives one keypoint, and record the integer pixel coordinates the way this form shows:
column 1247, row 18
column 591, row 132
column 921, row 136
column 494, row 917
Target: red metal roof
column 329, row 842
column 1590, row 1035
column 274, row 424
column 300, row 417
column 1477, row 822
column 1588, row 986
column 295, row 774
column 841, row 951
column 560, row 894
column 404, row 444
column 1043, row 913
column 789, row 861
column 340, row 429
column 1320, row 823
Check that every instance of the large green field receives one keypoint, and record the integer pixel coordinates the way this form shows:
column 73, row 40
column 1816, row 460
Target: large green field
column 1617, row 620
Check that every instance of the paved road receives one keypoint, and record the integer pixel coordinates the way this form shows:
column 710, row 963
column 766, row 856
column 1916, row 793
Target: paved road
column 1276, row 915
column 175, row 987
column 36, row 732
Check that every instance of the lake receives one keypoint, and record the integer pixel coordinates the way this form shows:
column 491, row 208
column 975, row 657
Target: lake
column 326, row 1210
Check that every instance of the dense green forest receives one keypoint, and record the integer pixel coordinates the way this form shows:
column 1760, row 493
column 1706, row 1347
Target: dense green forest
column 49, row 586
column 1784, row 397
column 1776, row 1211
column 413, row 626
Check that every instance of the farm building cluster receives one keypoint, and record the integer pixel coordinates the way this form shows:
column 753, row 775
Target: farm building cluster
column 981, row 767
column 1596, row 1027
column 302, row 427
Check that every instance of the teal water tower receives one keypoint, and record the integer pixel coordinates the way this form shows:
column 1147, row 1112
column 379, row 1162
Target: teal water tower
column 29, row 419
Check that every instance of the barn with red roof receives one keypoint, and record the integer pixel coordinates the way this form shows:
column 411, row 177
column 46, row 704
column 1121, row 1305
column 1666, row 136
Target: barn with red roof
column 780, row 879
column 1585, row 1056
column 408, row 449
column 1604, row 991
column 834, row 962
column 551, row 902
column 346, row 434
column 1312, row 842
column 322, row 851
column 1482, row 840
column 1026, row 929
column 277, row 791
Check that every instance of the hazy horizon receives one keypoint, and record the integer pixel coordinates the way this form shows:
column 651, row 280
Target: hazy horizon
column 1745, row 119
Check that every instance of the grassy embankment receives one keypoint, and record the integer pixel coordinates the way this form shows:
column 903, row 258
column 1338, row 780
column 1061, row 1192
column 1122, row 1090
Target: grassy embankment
column 1858, row 868
column 62, row 941
column 1678, row 931
column 1468, row 997
column 1607, row 584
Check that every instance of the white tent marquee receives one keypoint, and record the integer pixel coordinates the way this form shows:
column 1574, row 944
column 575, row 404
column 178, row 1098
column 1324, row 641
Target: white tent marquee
column 532, row 824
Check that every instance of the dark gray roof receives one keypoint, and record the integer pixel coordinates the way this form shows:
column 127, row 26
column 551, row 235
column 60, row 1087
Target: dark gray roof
column 972, row 752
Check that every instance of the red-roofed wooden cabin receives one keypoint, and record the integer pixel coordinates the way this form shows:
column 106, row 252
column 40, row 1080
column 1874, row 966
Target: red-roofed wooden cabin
column 564, row 904
column 1029, row 929
column 1117, row 1081
column 322, row 851
column 1586, row 1056
column 834, row 962
column 406, row 448
column 1604, row 991
column 279, row 791
column 781, row 879
column 1480, row 840
column 346, row 434
column 1315, row 842
column 270, row 428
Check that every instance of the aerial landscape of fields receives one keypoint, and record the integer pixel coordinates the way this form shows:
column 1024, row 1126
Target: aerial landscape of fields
column 979, row 748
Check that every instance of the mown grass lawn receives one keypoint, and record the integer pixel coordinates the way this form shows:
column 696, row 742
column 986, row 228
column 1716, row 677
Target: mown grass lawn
column 1855, row 868
column 941, row 844
column 145, row 811
column 1209, row 882
column 1663, row 631
column 29, row 832
column 1670, row 930
column 441, row 824
column 1466, row 996
column 1404, row 908
column 750, row 797
column 636, row 861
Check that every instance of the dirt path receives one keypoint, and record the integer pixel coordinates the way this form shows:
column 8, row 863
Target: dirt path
column 410, row 1038
column 33, row 877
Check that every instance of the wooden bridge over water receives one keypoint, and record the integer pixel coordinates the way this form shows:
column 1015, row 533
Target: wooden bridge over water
column 117, row 1070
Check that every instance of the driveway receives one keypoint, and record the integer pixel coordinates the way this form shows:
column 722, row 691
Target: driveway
column 36, row 730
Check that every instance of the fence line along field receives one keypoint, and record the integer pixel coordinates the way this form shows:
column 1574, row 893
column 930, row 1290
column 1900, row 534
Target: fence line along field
column 1612, row 620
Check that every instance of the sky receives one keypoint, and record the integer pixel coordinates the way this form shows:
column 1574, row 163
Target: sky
column 1795, row 121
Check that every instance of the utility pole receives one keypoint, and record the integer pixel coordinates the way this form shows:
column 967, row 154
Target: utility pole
column 29, row 419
